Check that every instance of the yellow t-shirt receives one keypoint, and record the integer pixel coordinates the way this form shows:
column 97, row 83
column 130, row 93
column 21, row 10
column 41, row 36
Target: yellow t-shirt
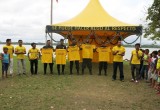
column 47, row 55
column 33, row 53
column 73, row 53
column 10, row 50
column 104, row 53
column 135, row 60
column 158, row 64
column 20, row 49
column 87, row 50
column 61, row 56
column 117, row 57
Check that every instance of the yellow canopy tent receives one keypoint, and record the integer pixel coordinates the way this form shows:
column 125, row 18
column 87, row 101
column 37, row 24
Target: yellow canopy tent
column 96, row 24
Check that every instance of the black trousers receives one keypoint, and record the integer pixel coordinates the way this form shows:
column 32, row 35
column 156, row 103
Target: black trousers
column 133, row 68
column 115, row 66
column 87, row 62
column 77, row 66
column 34, row 66
column 51, row 67
column 58, row 68
column 103, row 65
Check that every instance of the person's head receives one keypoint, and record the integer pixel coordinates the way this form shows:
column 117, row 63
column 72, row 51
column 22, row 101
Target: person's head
column 87, row 40
column 137, row 46
column 8, row 41
column 158, row 52
column 103, row 43
column 154, row 53
column 48, row 43
column 61, row 41
column 33, row 45
column 74, row 41
column 146, row 51
column 119, row 43
column 20, row 42
column 5, row 49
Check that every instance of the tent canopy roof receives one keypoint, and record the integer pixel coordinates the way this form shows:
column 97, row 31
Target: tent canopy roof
column 94, row 17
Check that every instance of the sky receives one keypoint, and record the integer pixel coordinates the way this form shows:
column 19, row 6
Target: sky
column 26, row 19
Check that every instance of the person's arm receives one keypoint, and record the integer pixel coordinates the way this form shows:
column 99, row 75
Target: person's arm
column 131, row 59
column 138, row 56
column 115, row 52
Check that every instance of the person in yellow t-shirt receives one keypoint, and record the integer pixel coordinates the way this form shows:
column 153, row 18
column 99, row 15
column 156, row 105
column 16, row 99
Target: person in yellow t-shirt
column 33, row 56
column 158, row 73
column 135, row 62
column 48, row 46
column 87, row 56
column 10, row 51
column 74, row 56
column 60, row 46
column 103, row 52
column 118, row 53
column 20, row 51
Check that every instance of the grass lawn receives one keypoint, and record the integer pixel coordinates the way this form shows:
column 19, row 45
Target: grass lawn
column 75, row 92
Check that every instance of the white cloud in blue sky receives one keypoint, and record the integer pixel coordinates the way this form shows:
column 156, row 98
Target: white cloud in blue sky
column 26, row 19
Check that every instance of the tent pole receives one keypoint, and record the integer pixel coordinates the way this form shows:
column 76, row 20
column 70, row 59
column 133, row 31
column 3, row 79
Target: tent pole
column 51, row 19
column 141, row 40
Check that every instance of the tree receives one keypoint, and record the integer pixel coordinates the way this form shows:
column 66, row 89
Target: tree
column 152, row 31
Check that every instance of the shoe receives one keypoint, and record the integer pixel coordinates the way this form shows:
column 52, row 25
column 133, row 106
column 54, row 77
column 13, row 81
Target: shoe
column 132, row 80
column 113, row 79
column 136, row 81
column 24, row 73
column 99, row 74
column 122, row 80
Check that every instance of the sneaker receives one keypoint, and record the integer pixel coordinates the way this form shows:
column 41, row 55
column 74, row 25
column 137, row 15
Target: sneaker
column 136, row 81
column 122, row 80
column 132, row 80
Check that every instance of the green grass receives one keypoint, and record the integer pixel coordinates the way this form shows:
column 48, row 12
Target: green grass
column 75, row 92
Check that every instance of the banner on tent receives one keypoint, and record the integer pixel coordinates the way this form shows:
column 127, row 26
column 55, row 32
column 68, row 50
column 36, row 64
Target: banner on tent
column 134, row 29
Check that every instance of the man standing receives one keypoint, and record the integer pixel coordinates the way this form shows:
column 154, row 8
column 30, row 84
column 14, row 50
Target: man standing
column 103, row 53
column 118, row 53
column 20, row 51
column 47, row 56
column 61, row 46
column 74, row 56
column 135, row 62
column 87, row 56
column 10, row 52
column 33, row 56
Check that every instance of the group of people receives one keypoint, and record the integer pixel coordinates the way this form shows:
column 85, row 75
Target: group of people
column 146, row 65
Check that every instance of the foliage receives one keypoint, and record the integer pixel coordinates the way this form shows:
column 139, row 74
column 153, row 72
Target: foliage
column 152, row 31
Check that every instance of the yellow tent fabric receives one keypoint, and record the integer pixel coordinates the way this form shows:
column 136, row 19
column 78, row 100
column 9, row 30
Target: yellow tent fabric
column 93, row 15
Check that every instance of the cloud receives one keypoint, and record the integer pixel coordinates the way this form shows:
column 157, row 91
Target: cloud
column 26, row 19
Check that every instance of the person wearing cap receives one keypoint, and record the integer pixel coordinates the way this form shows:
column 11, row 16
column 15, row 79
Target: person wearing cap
column 73, row 55
column 87, row 56
column 20, row 51
column 50, row 47
column 103, row 53
column 33, row 56
column 10, row 52
column 118, row 53
column 63, row 48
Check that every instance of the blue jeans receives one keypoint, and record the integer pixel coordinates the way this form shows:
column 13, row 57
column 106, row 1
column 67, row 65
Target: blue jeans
column 115, row 66
column 144, row 71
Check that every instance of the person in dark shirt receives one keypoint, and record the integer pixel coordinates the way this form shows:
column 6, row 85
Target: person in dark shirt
column 61, row 46
column 48, row 45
